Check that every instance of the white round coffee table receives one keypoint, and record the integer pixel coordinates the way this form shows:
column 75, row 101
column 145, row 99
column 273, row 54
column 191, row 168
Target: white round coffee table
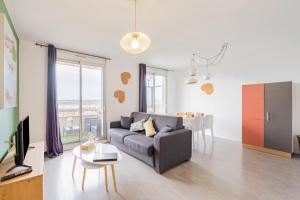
column 87, row 157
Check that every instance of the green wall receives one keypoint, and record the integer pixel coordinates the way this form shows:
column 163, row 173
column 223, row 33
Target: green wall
column 8, row 117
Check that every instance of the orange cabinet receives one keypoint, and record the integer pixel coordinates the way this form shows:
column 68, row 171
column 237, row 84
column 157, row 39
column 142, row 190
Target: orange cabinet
column 253, row 115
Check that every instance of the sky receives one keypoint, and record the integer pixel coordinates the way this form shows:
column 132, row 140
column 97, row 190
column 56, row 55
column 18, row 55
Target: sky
column 68, row 83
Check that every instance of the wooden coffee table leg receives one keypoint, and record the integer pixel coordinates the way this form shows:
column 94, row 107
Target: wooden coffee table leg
column 83, row 178
column 114, row 177
column 74, row 164
column 106, row 183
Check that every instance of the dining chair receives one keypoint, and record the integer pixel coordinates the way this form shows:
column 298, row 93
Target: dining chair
column 208, row 124
column 201, row 124
column 197, row 127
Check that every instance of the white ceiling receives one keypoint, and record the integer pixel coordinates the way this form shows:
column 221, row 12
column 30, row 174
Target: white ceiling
column 177, row 27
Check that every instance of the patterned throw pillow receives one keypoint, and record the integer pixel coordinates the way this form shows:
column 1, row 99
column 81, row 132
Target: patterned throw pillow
column 137, row 126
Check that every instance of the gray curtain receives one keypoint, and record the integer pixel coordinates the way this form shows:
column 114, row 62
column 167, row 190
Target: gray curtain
column 142, row 88
column 53, row 140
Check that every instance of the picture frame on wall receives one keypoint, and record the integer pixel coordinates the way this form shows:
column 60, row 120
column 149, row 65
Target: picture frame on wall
column 8, row 65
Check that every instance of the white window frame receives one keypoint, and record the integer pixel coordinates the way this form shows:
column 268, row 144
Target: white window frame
column 158, row 72
column 64, row 57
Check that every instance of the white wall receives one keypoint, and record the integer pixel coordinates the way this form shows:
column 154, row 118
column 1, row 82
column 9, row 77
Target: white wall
column 33, row 88
column 113, row 82
column 241, row 65
column 172, row 92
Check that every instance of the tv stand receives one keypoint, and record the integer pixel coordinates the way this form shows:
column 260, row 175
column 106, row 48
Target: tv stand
column 15, row 166
column 28, row 186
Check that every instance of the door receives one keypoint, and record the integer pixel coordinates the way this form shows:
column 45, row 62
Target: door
column 253, row 114
column 68, row 101
column 278, row 120
column 92, row 101
column 80, row 101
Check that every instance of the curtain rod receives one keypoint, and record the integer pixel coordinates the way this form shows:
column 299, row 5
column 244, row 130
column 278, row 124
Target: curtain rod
column 168, row 70
column 45, row 45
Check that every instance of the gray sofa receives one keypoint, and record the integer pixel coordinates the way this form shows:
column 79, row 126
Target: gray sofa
column 163, row 151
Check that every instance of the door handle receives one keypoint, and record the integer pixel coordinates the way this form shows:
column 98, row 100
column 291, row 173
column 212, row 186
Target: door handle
column 268, row 116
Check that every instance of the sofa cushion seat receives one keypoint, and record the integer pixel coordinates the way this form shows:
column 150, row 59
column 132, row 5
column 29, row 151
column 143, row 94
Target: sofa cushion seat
column 140, row 143
column 119, row 134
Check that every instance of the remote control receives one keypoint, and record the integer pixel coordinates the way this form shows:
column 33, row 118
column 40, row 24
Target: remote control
column 19, row 173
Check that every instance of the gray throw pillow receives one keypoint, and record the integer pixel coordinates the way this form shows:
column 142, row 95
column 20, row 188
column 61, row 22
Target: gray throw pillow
column 126, row 122
column 166, row 129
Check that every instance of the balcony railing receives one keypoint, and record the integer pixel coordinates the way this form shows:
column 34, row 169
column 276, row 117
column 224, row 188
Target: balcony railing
column 69, row 120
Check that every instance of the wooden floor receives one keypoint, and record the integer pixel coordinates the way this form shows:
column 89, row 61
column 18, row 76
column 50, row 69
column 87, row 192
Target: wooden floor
column 219, row 170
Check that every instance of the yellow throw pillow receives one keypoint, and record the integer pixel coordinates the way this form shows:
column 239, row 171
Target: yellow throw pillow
column 150, row 130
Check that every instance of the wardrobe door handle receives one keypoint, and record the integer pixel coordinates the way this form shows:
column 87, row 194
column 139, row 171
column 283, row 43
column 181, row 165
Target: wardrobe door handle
column 268, row 116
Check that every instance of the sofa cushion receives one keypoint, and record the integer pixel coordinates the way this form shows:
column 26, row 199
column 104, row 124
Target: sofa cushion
column 161, row 121
column 166, row 129
column 138, row 116
column 126, row 122
column 137, row 126
column 140, row 143
column 149, row 128
column 119, row 134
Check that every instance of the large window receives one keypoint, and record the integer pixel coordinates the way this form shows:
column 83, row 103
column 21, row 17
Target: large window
column 80, row 101
column 156, row 92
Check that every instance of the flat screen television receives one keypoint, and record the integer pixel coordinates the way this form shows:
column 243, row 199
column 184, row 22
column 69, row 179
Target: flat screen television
column 25, row 135
column 22, row 143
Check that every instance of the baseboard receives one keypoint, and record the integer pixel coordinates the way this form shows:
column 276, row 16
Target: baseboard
column 270, row 151
column 223, row 137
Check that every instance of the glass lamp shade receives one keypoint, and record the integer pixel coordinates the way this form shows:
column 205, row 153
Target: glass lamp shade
column 193, row 71
column 206, row 76
column 135, row 42
column 191, row 80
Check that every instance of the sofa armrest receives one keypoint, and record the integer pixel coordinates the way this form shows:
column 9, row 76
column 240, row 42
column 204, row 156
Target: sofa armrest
column 171, row 149
column 115, row 124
